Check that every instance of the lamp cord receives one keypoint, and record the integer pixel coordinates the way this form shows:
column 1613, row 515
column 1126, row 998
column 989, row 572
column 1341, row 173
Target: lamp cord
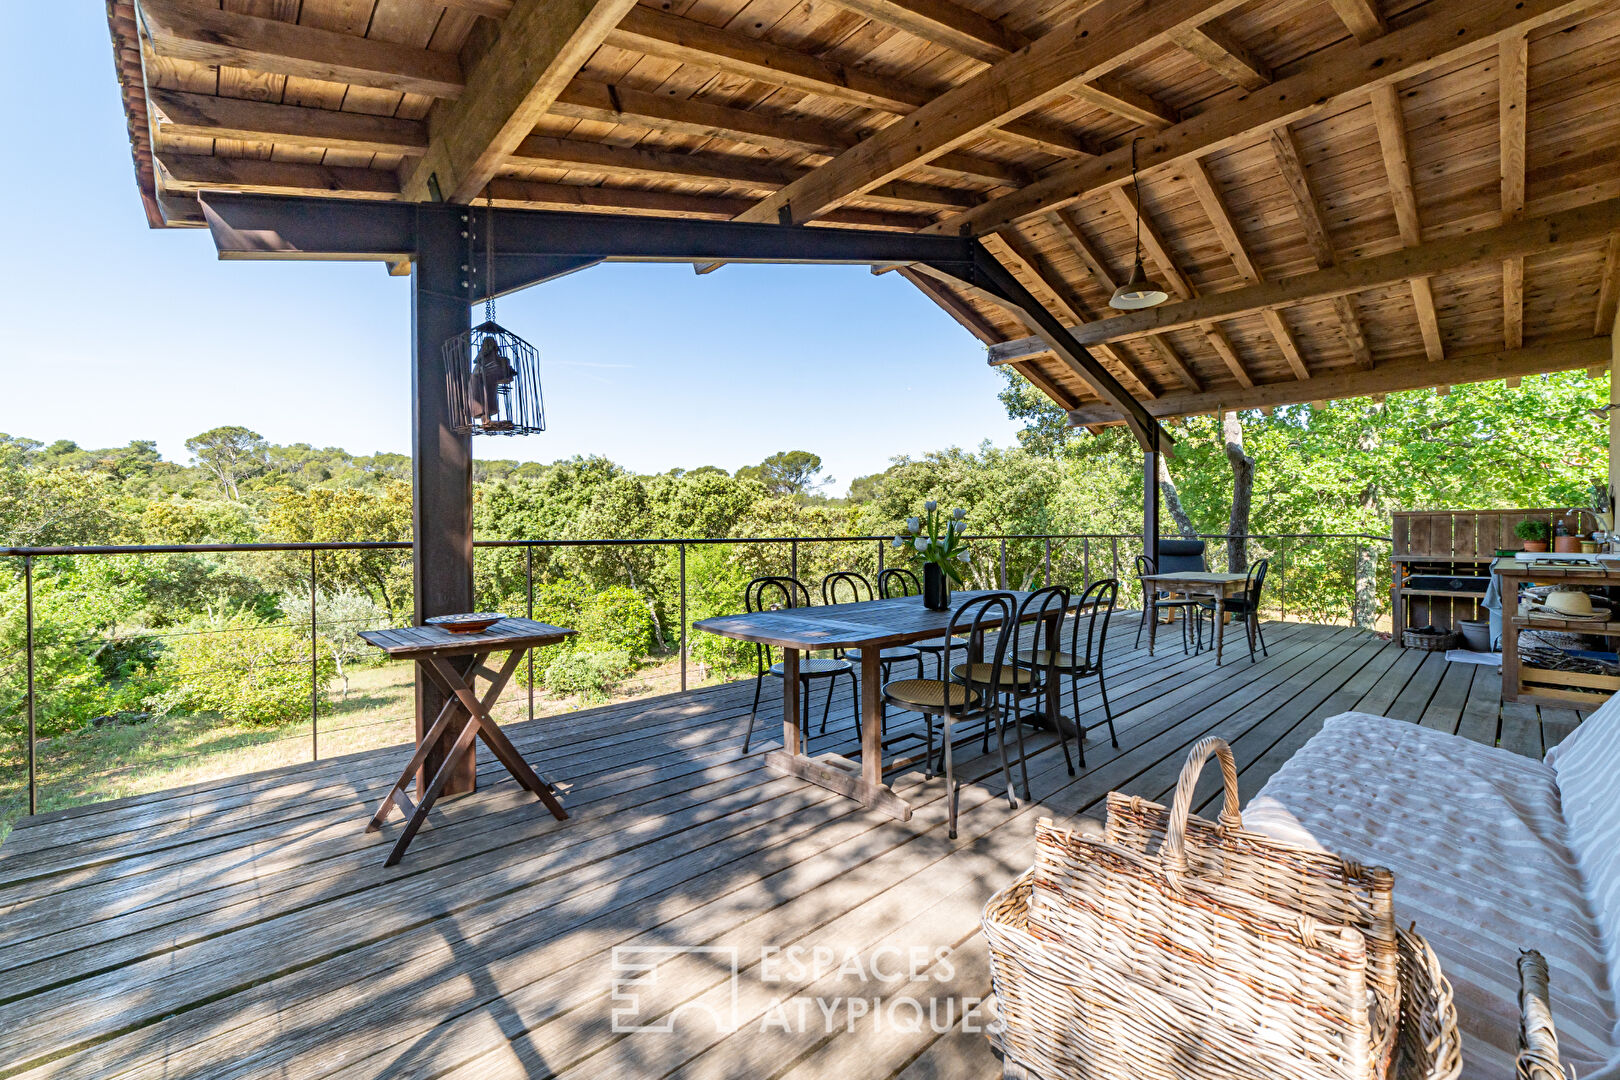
column 1136, row 192
column 489, row 256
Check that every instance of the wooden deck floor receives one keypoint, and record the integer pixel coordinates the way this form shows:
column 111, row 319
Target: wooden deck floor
column 246, row 928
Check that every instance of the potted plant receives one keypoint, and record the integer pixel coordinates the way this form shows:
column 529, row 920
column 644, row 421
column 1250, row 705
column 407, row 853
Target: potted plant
column 941, row 549
column 1534, row 534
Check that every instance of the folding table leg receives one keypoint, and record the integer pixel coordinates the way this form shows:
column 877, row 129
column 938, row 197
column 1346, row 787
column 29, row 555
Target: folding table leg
column 463, row 744
column 446, row 714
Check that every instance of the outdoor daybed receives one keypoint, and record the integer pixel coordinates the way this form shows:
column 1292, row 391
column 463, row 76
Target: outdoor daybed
column 1492, row 853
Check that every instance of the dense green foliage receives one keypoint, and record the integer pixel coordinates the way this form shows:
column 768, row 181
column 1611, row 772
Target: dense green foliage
column 230, row 633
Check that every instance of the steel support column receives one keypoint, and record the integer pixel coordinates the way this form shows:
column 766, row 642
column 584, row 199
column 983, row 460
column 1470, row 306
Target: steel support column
column 441, row 464
column 1150, row 499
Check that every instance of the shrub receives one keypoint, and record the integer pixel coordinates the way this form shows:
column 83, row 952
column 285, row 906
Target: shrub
column 589, row 674
column 614, row 620
column 1532, row 530
column 247, row 669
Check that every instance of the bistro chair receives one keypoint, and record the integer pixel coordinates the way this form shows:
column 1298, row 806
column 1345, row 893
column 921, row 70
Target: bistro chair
column 1245, row 605
column 856, row 590
column 774, row 594
column 1191, row 624
column 953, row 703
column 897, row 581
column 1031, row 670
column 1084, row 659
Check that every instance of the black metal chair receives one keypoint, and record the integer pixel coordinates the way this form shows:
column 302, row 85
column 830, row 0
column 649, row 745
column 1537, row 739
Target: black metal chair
column 774, row 594
column 1032, row 669
column 1245, row 605
column 1084, row 658
column 897, row 581
column 954, row 703
column 1191, row 626
column 856, row 589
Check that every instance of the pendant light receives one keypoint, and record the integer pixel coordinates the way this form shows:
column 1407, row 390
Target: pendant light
column 1140, row 291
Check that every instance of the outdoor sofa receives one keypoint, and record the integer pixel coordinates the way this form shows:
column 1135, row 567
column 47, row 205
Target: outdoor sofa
column 1492, row 853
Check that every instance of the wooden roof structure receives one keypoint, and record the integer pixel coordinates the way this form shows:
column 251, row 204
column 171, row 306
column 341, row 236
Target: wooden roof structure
column 1343, row 196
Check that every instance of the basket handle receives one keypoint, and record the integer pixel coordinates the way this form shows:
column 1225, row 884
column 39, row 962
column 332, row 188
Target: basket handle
column 1173, row 855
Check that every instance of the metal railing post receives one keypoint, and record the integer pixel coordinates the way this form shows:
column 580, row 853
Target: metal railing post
column 1116, row 558
column 1048, row 580
column 528, row 577
column 881, row 545
column 28, row 648
column 1003, row 562
column 314, row 670
column 683, row 616
column 1282, row 577
column 793, row 565
column 1086, row 555
column 1355, row 587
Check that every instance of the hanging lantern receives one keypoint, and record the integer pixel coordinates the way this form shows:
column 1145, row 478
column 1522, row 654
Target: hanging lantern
column 492, row 376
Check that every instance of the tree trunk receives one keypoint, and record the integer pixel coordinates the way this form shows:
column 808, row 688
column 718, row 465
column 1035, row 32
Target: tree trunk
column 1237, row 526
column 1172, row 502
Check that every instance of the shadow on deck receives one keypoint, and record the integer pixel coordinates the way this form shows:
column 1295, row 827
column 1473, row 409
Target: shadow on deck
column 247, row 928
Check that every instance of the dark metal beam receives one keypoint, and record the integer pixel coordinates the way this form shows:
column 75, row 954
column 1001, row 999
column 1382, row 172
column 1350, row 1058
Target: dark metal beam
column 292, row 227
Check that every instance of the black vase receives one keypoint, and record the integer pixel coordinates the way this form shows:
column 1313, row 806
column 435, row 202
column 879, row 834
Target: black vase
column 936, row 588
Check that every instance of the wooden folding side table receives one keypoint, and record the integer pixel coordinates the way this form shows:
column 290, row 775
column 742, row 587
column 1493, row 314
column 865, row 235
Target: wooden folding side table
column 432, row 648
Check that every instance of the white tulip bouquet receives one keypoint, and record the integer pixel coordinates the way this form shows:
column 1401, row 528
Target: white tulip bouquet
column 937, row 542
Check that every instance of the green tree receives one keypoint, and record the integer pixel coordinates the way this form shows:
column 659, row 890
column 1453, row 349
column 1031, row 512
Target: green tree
column 231, row 454
column 789, row 472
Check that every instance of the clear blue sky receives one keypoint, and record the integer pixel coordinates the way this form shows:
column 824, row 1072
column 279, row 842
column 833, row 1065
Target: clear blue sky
column 115, row 332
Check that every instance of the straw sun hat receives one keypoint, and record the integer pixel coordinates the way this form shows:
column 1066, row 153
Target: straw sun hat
column 1571, row 605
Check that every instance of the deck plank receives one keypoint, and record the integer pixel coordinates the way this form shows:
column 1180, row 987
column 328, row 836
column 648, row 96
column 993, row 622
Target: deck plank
column 246, row 928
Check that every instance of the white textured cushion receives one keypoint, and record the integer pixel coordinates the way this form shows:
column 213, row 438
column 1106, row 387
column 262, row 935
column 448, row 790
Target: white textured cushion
column 1477, row 843
column 1587, row 763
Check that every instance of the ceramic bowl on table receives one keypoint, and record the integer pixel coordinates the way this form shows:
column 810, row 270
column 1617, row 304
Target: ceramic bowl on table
column 473, row 622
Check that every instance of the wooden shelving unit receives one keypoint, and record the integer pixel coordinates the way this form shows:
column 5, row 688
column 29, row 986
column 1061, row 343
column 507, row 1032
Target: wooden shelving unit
column 1529, row 682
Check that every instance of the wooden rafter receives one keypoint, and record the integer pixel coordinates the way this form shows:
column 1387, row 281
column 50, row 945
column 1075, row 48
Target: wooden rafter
column 201, row 172
column 1019, row 255
column 956, row 307
column 541, row 46
column 1609, row 291
column 1052, row 67
column 625, row 200
column 1285, row 148
column 1391, row 124
column 202, row 33
column 1415, row 373
column 1209, row 196
column 1564, row 231
column 1513, row 72
column 204, row 116
column 1362, row 18
column 1224, row 55
column 1447, row 30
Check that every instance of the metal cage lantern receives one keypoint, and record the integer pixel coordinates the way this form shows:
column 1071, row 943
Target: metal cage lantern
column 493, row 380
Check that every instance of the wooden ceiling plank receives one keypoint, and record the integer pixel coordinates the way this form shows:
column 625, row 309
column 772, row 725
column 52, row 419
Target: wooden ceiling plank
column 206, row 116
column 1224, row 55
column 201, row 172
column 1563, row 231
column 494, row 9
column 1512, row 82
column 1392, row 142
column 203, row 34
column 511, row 192
column 1416, row 373
column 1285, row 148
column 1362, row 18
column 1447, row 31
column 587, row 99
column 1047, row 69
column 541, row 46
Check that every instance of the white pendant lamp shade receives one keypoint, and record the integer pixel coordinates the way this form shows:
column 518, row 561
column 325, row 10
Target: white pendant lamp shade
column 1139, row 292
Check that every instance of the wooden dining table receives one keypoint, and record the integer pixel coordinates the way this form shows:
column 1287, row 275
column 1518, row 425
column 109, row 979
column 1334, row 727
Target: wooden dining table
column 869, row 626
column 1191, row 584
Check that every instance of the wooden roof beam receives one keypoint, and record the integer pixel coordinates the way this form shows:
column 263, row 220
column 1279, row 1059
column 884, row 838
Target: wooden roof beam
column 529, row 194
column 1013, row 252
column 541, row 46
column 1391, row 124
column 205, row 116
column 1285, row 148
column 1446, row 31
column 1052, row 67
column 1416, row 373
column 955, row 306
column 1609, row 291
column 204, row 172
column 202, row 33
column 1512, row 78
column 1203, row 185
column 1362, row 18
column 1224, row 55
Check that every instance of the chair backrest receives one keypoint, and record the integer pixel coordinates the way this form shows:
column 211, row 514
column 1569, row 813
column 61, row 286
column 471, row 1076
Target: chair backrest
column 1096, row 609
column 1256, row 581
column 1145, row 566
column 773, row 593
column 973, row 621
column 1177, row 556
column 1044, row 608
column 898, row 581
column 855, row 588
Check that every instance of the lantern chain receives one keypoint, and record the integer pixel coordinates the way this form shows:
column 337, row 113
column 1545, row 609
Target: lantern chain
column 489, row 257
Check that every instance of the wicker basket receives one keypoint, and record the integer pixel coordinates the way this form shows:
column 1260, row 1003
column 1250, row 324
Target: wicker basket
column 1173, row 947
column 1428, row 639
